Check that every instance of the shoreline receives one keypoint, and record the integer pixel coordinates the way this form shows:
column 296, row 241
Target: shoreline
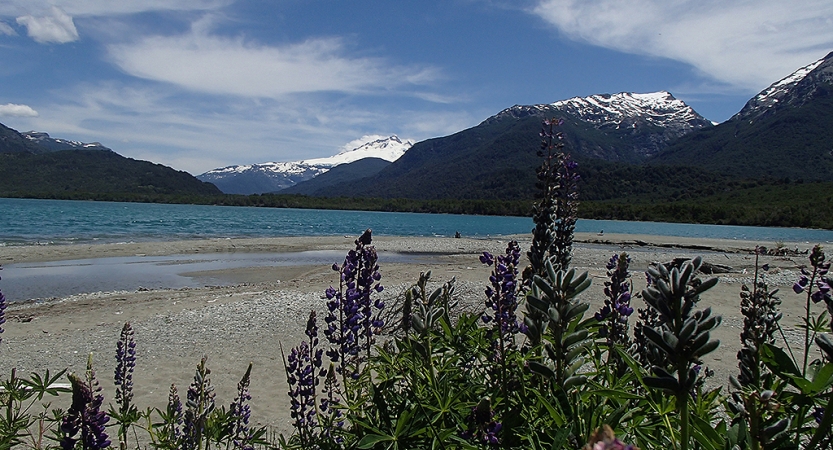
column 403, row 244
column 249, row 320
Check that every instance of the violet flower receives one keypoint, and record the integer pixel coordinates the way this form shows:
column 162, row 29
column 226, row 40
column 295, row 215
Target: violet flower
column 353, row 316
column 174, row 417
column 2, row 313
column 502, row 295
column 125, row 363
column 555, row 214
column 199, row 405
column 616, row 309
column 241, row 413
column 84, row 416
column 302, row 388
column 483, row 428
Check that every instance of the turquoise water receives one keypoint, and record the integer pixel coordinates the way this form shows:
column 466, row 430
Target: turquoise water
column 26, row 221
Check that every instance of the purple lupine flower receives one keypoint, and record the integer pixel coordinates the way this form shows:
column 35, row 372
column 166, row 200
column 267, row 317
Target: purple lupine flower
column 616, row 309
column 125, row 363
column 302, row 386
column 502, row 295
column 801, row 284
column 332, row 419
column 85, row 415
column 241, row 412
column 2, row 313
column 199, row 404
column 353, row 316
column 483, row 428
column 174, row 417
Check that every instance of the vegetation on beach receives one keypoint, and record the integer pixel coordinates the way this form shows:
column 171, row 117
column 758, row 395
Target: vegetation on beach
column 533, row 367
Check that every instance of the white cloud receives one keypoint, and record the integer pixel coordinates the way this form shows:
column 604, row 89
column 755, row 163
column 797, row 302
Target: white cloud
column 747, row 43
column 198, row 133
column 13, row 110
column 202, row 62
column 56, row 27
column 6, row 29
column 106, row 7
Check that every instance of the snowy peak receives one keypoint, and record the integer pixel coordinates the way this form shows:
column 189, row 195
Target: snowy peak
column 625, row 109
column 54, row 144
column 387, row 148
column 274, row 176
column 792, row 90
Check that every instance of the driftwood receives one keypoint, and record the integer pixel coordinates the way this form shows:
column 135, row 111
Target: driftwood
column 706, row 267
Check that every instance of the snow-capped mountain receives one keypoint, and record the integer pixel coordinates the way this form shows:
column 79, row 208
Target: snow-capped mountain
column 624, row 109
column 274, row 176
column 55, row 144
column 782, row 133
column 636, row 126
column 791, row 90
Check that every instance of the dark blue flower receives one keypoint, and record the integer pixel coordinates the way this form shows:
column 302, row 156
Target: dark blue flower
column 351, row 319
column 502, row 295
column 85, row 416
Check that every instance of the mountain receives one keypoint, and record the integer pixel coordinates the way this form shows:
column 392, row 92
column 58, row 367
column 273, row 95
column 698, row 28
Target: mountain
column 783, row 132
column 621, row 127
column 328, row 183
column 34, row 164
column 275, row 176
column 51, row 144
column 497, row 158
column 11, row 141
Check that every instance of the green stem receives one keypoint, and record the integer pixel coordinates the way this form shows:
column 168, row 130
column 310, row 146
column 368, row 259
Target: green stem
column 754, row 423
column 682, row 407
column 823, row 428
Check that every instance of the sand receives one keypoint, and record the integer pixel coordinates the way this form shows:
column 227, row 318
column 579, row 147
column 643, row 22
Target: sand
column 266, row 307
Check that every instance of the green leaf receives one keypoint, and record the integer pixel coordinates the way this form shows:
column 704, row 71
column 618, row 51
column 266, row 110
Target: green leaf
column 662, row 383
column 370, row 440
column 822, row 378
column 705, row 433
column 541, row 369
column 778, row 361
column 574, row 381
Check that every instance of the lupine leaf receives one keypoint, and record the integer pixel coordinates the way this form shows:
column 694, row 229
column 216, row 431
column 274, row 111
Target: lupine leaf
column 707, row 348
column 541, row 369
column 662, row 383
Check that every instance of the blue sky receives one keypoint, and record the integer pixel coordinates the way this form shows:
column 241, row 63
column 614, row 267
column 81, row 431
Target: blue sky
column 201, row 84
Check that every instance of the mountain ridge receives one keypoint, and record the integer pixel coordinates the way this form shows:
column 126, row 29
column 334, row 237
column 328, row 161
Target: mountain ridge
column 498, row 157
column 275, row 176
column 782, row 132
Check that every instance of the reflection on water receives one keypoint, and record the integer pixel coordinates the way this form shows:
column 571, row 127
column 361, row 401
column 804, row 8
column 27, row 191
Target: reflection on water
column 63, row 278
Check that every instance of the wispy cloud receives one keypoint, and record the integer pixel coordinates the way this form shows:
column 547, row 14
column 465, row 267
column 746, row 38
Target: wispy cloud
column 56, row 27
column 204, row 62
column 106, row 7
column 748, row 44
column 13, row 110
column 6, row 29
column 194, row 133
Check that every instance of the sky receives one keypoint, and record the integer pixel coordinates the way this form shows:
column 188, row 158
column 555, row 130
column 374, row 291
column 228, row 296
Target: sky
column 202, row 84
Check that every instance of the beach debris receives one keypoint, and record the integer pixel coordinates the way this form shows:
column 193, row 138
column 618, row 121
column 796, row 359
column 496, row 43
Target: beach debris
column 706, row 267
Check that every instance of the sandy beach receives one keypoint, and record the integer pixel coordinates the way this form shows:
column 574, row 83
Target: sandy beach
column 263, row 308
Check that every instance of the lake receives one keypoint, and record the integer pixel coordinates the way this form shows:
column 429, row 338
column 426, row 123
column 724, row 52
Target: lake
column 58, row 222
column 28, row 221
